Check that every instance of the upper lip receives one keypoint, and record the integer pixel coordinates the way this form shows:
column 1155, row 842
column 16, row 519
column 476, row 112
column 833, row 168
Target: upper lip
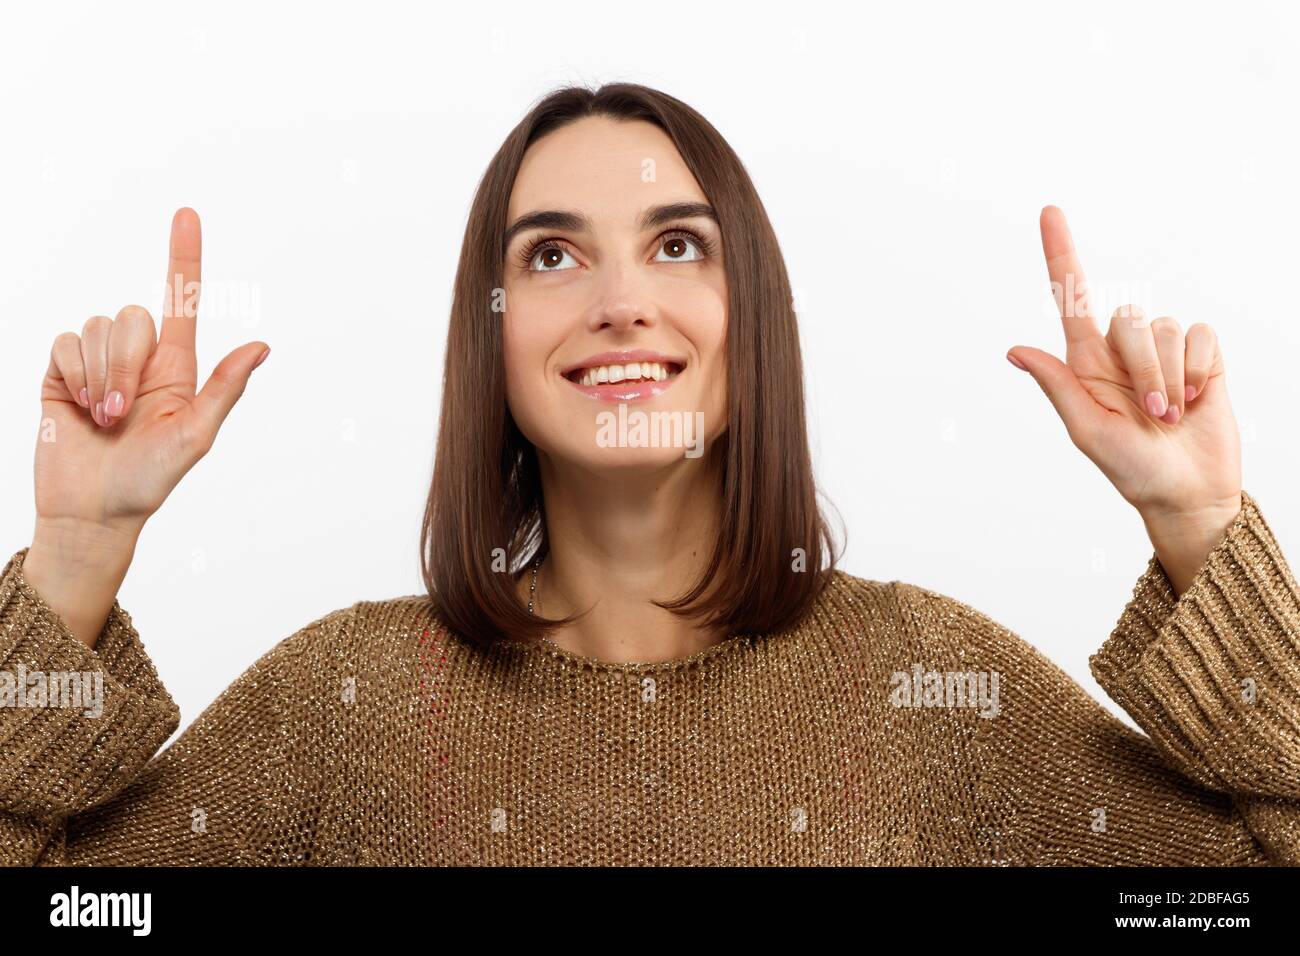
column 624, row 358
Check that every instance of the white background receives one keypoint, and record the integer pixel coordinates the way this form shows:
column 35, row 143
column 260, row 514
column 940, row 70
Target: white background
column 903, row 155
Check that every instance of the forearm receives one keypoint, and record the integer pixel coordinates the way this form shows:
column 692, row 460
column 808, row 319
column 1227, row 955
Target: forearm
column 78, row 569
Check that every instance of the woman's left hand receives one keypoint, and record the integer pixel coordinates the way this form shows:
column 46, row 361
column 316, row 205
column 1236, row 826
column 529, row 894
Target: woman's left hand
column 1148, row 404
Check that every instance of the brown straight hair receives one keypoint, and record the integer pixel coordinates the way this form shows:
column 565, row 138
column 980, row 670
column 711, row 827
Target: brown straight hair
column 485, row 518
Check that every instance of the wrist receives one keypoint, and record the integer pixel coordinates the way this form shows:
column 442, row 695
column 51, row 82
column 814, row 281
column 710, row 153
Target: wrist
column 1183, row 540
column 77, row 569
column 1192, row 524
column 87, row 544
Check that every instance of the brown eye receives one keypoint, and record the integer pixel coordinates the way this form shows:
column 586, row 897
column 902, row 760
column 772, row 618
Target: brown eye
column 547, row 256
column 679, row 248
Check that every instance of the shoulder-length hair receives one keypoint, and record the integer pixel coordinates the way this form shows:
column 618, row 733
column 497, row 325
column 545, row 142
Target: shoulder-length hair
column 485, row 519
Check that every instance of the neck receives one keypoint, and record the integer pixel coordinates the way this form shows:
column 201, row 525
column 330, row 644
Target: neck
column 616, row 547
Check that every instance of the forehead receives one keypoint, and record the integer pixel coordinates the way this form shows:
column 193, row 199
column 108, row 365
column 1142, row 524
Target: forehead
column 603, row 167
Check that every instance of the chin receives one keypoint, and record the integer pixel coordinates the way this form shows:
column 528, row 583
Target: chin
column 643, row 459
column 637, row 438
column 650, row 434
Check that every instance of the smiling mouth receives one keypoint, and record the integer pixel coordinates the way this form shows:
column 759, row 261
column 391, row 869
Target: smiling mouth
column 626, row 374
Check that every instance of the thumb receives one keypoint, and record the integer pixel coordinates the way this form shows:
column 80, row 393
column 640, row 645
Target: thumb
column 227, row 382
column 1059, row 383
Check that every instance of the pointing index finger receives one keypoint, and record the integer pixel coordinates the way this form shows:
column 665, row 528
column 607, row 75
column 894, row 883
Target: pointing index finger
column 181, row 298
column 1069, row 285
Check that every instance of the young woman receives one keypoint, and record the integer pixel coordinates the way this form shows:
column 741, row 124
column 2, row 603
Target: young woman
column 635, row 647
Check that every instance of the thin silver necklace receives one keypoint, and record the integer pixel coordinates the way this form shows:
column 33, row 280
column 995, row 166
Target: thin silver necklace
column 532, row 588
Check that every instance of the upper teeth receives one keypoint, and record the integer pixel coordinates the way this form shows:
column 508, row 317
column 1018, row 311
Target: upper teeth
column 602, row 374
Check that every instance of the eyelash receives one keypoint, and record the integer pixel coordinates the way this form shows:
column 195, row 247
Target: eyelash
column 534, row 246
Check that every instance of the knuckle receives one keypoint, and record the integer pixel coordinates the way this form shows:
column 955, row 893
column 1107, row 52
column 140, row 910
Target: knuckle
column 122, row 370
column 196, row 438
column 1166, row 325
column 1083, row 435
column 1120, row 327
column 96, row 323
column 133, row 313
column 1130, row 317
column 1146, row 368
column 138, row 322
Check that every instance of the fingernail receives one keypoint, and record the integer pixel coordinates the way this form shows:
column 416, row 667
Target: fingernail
column 262, row 358
column 1191, row 393
column 1016, row 362
column 84, row 398
column 1172, row 415
column 1156, row 404
column 116, row 402
column 99, row 413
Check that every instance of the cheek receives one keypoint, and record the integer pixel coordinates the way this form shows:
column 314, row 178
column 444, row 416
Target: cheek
column 531, row 330
column 518, row 350
column 709, row 334
column 528, row 341
column 711, row 340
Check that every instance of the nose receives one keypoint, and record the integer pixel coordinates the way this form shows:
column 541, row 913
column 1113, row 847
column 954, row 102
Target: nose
column 624, row 306
column 621, row 316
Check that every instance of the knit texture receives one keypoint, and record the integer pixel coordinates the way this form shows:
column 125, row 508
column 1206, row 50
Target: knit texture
column 374, row 735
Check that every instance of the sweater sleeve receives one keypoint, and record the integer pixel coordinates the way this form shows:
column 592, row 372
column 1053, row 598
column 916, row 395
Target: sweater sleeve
column 77, row 783
column 1212, row 677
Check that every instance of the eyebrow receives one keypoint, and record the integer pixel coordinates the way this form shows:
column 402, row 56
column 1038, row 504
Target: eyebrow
column 577, row 222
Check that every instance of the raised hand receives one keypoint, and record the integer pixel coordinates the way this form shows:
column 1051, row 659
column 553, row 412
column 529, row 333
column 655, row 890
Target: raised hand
column 127, row 423
column 122, row 423
column 1148, row 404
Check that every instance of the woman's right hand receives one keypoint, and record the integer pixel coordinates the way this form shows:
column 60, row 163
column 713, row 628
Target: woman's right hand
column 122, row 423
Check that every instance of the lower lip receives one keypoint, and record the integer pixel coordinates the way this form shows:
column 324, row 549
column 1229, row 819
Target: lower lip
column 625, row 391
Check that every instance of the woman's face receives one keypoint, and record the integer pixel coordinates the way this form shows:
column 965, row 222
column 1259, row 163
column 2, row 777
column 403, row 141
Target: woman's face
column 616, row 316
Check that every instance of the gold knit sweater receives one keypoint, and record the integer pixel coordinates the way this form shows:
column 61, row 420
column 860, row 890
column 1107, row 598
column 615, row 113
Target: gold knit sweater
column 374, row 735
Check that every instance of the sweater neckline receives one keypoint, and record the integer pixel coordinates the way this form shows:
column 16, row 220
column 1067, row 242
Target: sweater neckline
column 546, row 649
column 732, row 644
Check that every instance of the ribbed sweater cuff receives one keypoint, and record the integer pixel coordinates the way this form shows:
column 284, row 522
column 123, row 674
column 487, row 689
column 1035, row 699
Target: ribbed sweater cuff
column 59, row 760
column 1213, row 675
